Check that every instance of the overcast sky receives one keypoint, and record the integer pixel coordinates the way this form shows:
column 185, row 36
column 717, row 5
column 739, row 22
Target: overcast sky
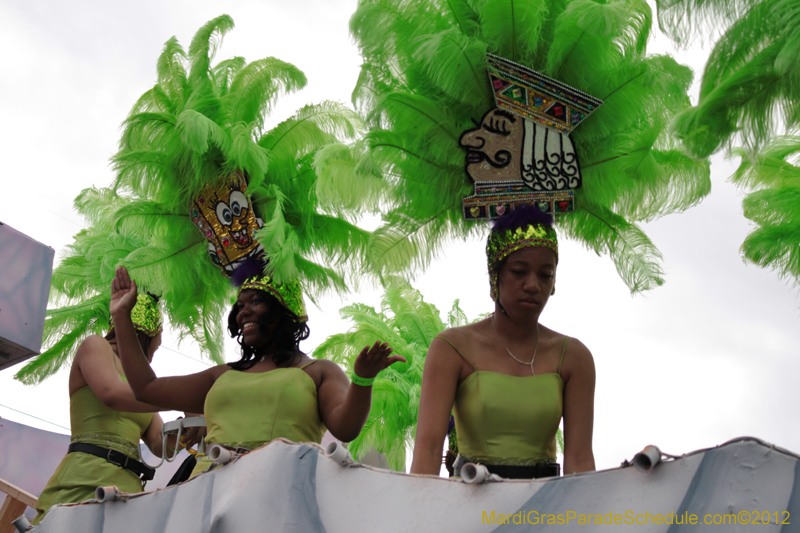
column 711, row 355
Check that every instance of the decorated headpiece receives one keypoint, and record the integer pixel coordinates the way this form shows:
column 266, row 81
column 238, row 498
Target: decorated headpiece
column 223, row 212
column 191, row 181
column 146, row 315
column 423, row 88
column 525, row 227
column 520, row 153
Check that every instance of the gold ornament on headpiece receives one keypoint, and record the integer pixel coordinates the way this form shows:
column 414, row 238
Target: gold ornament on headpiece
column 289, row 294
column 503, row 243
column 520, row 152
column 146, row 315
column 223, row 212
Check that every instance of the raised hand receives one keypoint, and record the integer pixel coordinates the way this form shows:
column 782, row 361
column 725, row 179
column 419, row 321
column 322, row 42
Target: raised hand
column 123, row 292
column 372, row 360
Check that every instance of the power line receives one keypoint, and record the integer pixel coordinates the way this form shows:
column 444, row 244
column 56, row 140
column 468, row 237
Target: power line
column 36, row 417
column 186, row 356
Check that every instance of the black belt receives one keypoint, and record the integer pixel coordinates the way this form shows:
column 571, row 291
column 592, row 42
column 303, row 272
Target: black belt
column 115, row 458
column 525, row 472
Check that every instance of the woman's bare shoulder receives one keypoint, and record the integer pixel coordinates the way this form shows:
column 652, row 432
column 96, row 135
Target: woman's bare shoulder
column 464, row 335
column 92, row 346
column 578, row 358
column 319, row 365
column 576, row 348
column 94, row 341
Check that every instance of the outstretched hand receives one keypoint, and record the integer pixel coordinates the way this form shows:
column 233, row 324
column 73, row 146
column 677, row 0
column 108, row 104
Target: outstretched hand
column 372, row 360
column 123, row 292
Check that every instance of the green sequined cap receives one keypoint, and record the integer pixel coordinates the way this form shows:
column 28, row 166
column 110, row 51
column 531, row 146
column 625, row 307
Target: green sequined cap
column 503, row 243
column 289, row 294
column 146, row 315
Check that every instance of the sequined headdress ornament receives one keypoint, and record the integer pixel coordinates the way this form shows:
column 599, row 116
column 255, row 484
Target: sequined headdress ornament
column 525, row 227
column 224, row 215
column 521, row 153
column 146, row 315
column 289, row 294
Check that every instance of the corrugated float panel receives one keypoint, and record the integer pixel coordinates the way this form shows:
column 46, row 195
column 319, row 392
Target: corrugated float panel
column 295, row 487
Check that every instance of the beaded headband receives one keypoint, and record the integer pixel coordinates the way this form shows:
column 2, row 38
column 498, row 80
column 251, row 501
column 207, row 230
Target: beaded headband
column 289, row 294
column 146, row 315
column 503, row 243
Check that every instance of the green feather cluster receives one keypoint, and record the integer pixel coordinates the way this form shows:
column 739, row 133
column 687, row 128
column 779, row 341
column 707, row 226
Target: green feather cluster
column 751, row 83
column 199, row 121
column 423, row 82
column 773, row 176
column 408, row 324
column 749, row 96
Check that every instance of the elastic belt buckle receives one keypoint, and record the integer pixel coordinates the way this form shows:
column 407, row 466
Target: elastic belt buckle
column 123, row 464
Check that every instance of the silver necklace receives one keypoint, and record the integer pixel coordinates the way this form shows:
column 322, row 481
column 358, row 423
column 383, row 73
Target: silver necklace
column 536, row 347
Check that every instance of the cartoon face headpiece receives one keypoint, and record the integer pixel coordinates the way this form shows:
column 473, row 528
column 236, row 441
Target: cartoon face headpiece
column 146, row 315
column 525, row 227
column 289, row 294
column 224, row 215
column 521, row 153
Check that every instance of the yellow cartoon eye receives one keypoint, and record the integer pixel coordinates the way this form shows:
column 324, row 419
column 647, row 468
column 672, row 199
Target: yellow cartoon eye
column 224, row 214
column 238, row 203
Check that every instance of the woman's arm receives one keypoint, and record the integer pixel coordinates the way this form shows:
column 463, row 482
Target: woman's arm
column 152, row 436
column 344, row 406
column 179, row 393
column 439, row 383
column 578, row 408
column 95, row 362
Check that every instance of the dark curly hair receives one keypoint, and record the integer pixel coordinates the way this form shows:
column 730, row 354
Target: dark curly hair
column 286, row 336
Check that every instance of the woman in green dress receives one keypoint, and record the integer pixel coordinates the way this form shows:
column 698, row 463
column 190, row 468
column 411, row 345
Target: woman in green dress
column 274, row 390
column 107, row 422
column 508, row 379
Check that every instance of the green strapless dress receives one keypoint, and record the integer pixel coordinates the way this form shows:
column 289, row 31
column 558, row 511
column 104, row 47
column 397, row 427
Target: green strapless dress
column 249, row 409
column 508, row 420
column 79, row 474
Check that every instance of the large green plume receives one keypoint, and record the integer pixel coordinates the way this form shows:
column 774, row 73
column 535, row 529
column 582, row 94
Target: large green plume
column 199, row 121
column 773, row 205
column 749, row 98
column 423, row 82
column 750, row 88
column 408, row 324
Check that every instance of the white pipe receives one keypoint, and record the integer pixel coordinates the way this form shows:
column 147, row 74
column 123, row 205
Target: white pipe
column 646, row 460
column 21, row 524
column 107, row 494
column 220, row 455
column 474, row 473
column 339, row 453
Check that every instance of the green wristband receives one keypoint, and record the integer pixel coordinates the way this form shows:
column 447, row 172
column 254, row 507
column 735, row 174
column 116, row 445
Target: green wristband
column 358, row 380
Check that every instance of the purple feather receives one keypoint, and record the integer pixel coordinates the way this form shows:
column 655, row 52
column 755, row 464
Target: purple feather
column 247, row 269
column 523, row 215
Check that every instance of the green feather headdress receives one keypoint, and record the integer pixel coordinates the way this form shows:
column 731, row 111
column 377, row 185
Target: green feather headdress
column 202, row 121
column 423, row 83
